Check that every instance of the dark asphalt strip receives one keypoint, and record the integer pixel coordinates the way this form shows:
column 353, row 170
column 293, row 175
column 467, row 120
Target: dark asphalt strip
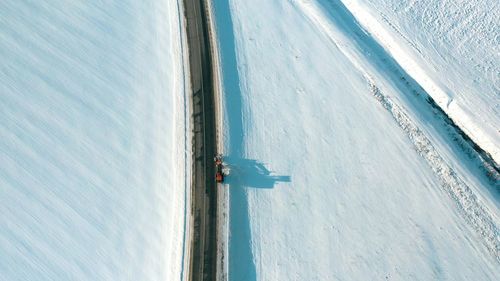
column 204, row 192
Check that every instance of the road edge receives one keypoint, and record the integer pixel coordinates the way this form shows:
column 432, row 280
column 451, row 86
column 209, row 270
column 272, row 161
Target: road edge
column 222, row 194
column 187, row 99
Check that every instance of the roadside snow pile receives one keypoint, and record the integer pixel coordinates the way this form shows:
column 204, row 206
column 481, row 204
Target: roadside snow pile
column 91, row 141
column 326, row 183
column 450, row 48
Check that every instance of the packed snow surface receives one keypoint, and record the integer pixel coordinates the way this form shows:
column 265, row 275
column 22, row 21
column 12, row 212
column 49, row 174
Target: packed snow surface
column 340, row 169
column 92, row 183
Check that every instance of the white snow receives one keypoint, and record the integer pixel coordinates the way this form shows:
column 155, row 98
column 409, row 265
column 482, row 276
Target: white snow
column 340, row 170
column 92, row 141
column 451, row 48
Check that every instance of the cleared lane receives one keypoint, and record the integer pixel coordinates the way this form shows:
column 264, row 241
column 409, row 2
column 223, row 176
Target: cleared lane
column 203, row 241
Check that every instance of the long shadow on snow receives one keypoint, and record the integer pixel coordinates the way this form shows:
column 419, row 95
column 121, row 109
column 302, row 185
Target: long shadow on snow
column 251, row 173
column 241, row 261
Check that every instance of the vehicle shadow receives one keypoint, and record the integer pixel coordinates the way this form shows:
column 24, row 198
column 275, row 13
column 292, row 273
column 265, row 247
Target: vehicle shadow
column 241, row 265
column 251, row 173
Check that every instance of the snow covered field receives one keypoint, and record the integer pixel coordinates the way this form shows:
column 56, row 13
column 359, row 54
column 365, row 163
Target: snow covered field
column 91, row 141
column 340, row 170
column 452, row 49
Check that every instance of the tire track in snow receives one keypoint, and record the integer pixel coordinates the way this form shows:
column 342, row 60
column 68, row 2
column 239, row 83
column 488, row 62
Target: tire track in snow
column 475, row 214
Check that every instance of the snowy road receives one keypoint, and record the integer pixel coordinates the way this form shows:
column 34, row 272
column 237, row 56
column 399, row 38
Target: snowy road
column 204, row 192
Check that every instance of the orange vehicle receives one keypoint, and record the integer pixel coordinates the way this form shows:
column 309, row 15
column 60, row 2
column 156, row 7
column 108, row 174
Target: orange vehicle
column 219, row 174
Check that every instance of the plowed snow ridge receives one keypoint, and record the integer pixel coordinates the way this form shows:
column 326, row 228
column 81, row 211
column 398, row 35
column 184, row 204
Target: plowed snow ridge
column 483, row 220
column 477, row 122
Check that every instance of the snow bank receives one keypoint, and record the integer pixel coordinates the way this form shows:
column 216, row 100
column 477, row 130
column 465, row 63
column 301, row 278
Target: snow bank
column 91, row 141
column 326, row 183
column 451, row 49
